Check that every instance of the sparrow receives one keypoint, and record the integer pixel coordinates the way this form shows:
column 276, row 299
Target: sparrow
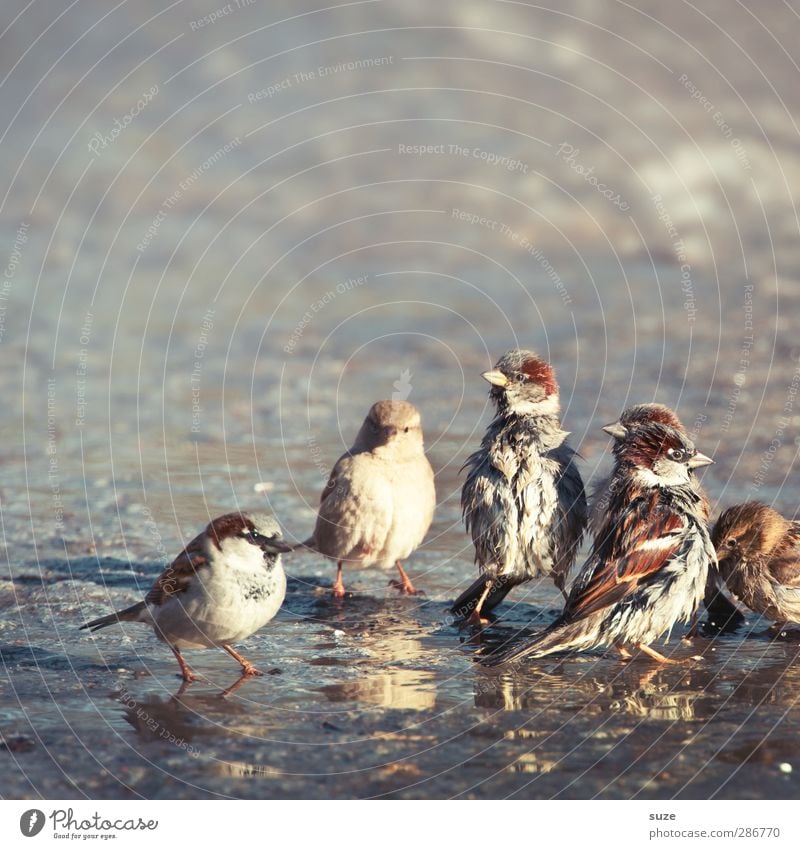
column 523, row 500
column 759, row 560
column 719, row 608
column 226, row 584
column 648, row 566
column 632, row 417
column 379, row 501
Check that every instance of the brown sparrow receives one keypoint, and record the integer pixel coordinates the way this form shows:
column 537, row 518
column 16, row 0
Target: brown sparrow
column 379, row 501
column 647, row 569
column 523, row 500
column 632, row 417
column 759, row 560
column 717, row 605
column 226, row 584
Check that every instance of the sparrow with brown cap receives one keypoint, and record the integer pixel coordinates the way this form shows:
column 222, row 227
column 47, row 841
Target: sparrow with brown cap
column 523, row 500
column 226, row 584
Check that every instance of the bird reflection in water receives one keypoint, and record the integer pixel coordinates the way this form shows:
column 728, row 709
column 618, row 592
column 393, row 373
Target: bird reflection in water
column 662, row 694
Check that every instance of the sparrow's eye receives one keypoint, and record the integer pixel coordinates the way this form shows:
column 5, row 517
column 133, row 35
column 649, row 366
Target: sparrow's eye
column 405, row 430
column 676, row 454
column 731, row 542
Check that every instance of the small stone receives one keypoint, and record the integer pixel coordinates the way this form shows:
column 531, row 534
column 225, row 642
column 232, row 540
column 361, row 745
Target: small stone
column 785, row 768
column 264, row 486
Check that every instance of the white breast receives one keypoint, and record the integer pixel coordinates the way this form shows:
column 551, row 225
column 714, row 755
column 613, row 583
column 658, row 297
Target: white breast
column 226, row 602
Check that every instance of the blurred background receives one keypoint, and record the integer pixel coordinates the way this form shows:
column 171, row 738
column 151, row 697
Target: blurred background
column 228, row 228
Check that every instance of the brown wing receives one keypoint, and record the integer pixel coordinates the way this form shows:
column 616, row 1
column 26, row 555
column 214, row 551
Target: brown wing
column 175, row 578
column 784, row 565
column 633, row 551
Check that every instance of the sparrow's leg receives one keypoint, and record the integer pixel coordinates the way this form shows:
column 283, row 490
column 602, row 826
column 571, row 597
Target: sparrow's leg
column 404, row 584
column 186, row 673
column 338, row 584
column 623, row 652
column 475, row 617
column 247, row 667
column 657, row 656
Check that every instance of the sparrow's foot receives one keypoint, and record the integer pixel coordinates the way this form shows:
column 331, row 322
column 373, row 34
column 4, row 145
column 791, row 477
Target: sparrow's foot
column 623, row 652
column 475, row 618
column 186, row 673
column 405, row 588
column 248, row 670
column 657, row 656
column 404, row 585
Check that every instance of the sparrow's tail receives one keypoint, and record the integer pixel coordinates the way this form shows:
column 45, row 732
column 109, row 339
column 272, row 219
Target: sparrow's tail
column 558, row 637
column 130, row 614
column 468, row 600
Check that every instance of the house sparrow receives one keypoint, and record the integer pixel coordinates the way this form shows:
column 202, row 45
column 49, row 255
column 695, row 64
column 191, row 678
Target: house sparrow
column 759, row 560
column 648, row 567
column 719, row 608
column 523, row 500
column 226, row 584
column 633, row 417
column 378, row 503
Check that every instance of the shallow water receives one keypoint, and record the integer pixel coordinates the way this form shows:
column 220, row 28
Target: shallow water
column 226, row 359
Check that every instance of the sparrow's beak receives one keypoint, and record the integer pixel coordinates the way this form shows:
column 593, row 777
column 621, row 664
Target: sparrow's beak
column 496, row 378
column 617, row 430
column 699, row 460
column 277, row 546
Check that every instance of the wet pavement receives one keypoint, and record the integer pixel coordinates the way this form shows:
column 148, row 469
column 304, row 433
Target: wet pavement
column 197, row 309
column 377, row 696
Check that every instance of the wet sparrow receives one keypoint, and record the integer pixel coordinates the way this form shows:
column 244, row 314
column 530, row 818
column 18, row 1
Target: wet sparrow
column 523, row 500
column 647, row 569
column 632, row 417
column 759, row 560
column 719, row 608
